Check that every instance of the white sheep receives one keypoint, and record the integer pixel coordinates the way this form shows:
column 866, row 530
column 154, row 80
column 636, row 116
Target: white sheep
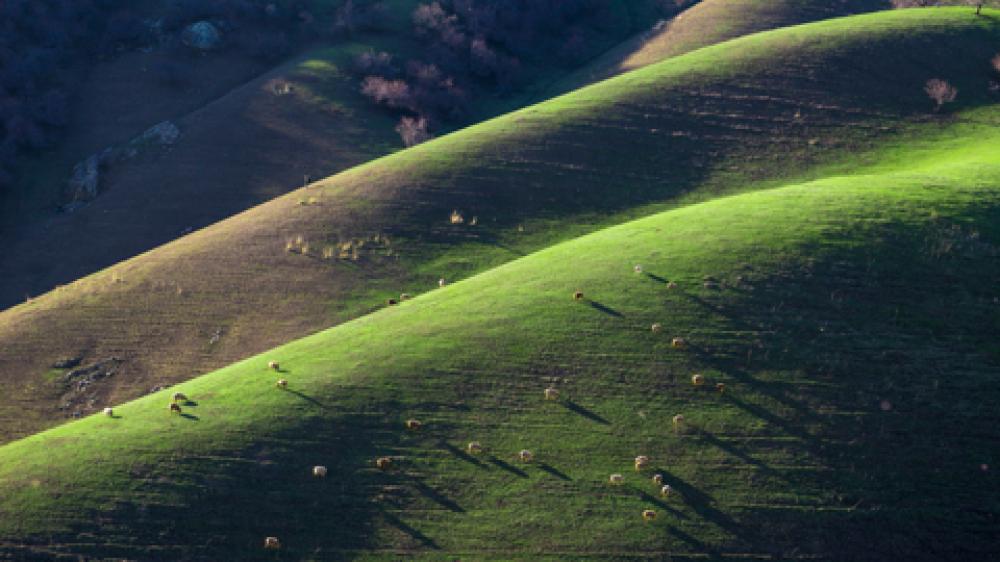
column 641, row 462
column 442, row 282
column 616, row 479
column 109, row 412
column 525, row 456
column 637, row 268
column 474, row 448
column 282, row 383
column 404, row 297
column 657, row 327
column 648, row 515
column 319, row 471
column 678, row 420
column 697, row 380
column 413, row 425
column 383, row 463
column 678, row 343
column 551, row 393
column 666, row 490
column 720, row 387
column 671, row 285
column 272, row 543
column 273, row 365
column 657, row 479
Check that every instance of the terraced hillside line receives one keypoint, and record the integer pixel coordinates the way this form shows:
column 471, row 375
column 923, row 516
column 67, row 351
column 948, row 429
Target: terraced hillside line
column 854, row 424
column 719, row 120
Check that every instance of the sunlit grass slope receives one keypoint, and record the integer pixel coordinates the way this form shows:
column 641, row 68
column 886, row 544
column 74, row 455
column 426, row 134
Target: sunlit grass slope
column 706, row 23
column 852, row 320
column 790, row 104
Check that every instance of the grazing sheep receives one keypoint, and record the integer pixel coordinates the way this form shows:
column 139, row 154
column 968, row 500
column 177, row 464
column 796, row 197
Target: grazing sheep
column 180, row 397
column 391, row 302
column 637, row 268
column 525, row 456
column 282, row 383
column 657, row 327
column 109, row 412
column 273, row 365
column 657, row 479
column 319, row 471
column 456, row 217
column 616, row 479
column 578, row 296
column 720, row 387
column 404, row 297
column 697, row 380
column 666, row 490
column 272, row 543
column 648, row 515
column 641, row 462
column 383, row 463
column 175, row 408
column 413, row 424
column 678, row 343
column 671, row 285
column 442, row 282
column 678, row 420
column 551, row 393
column 474, row 448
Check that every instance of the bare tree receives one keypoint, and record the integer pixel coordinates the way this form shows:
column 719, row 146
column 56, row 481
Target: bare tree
column 413, row 131
column 940, row 92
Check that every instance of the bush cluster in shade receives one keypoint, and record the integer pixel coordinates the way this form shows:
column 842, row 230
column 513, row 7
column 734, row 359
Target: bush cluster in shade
column 480, row 44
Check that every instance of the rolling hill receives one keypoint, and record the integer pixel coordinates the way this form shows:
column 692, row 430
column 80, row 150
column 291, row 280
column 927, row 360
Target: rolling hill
column 788, row 105
column 242, row 142
column 851, row 318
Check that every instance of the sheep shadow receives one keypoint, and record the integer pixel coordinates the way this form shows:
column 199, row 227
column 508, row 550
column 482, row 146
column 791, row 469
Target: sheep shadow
column 461, row 454
column 657, row 278
column 729, row 448
column 439, row 498
column 191, row 417
column 305, row 397
column 190, row 404
column 413, row 533
column 605, row 309
column 554, row 471
column 660, row 504
column 590, row 415
column 500, row 463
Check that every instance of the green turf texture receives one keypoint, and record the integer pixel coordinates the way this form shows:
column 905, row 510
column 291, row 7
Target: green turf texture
column 870, row 284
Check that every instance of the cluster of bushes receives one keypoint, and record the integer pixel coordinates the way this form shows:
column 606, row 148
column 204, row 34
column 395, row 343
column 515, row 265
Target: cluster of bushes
column 477, row 45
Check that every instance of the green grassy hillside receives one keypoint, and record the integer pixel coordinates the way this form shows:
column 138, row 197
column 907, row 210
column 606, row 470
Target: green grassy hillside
column 852, row 320
column 709, row 22
column 791, row 104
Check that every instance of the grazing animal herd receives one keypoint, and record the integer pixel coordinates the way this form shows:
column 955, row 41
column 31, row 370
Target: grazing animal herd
column 641, row 463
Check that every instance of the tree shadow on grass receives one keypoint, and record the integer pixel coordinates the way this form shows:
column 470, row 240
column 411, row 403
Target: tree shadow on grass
column 660, row 504
column 729, row 448
column 507, row 466
column 554, row 471
column 436, row 496
column 590, row 415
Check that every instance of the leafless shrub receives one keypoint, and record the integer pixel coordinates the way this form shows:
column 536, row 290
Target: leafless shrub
column 940, row 92
column 413, row 131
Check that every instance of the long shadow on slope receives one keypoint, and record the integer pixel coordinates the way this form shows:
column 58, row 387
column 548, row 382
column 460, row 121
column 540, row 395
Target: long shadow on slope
column 902, row 392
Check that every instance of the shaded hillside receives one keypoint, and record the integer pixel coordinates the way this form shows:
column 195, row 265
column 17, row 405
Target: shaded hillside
column 706, row 23
column 850, row 319
column 732, row 117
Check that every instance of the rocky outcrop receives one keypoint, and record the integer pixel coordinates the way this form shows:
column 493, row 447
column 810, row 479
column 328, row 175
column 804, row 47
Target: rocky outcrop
column 84, row 181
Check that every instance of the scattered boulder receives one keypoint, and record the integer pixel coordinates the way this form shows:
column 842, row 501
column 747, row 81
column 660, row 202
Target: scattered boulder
column 202, row 35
